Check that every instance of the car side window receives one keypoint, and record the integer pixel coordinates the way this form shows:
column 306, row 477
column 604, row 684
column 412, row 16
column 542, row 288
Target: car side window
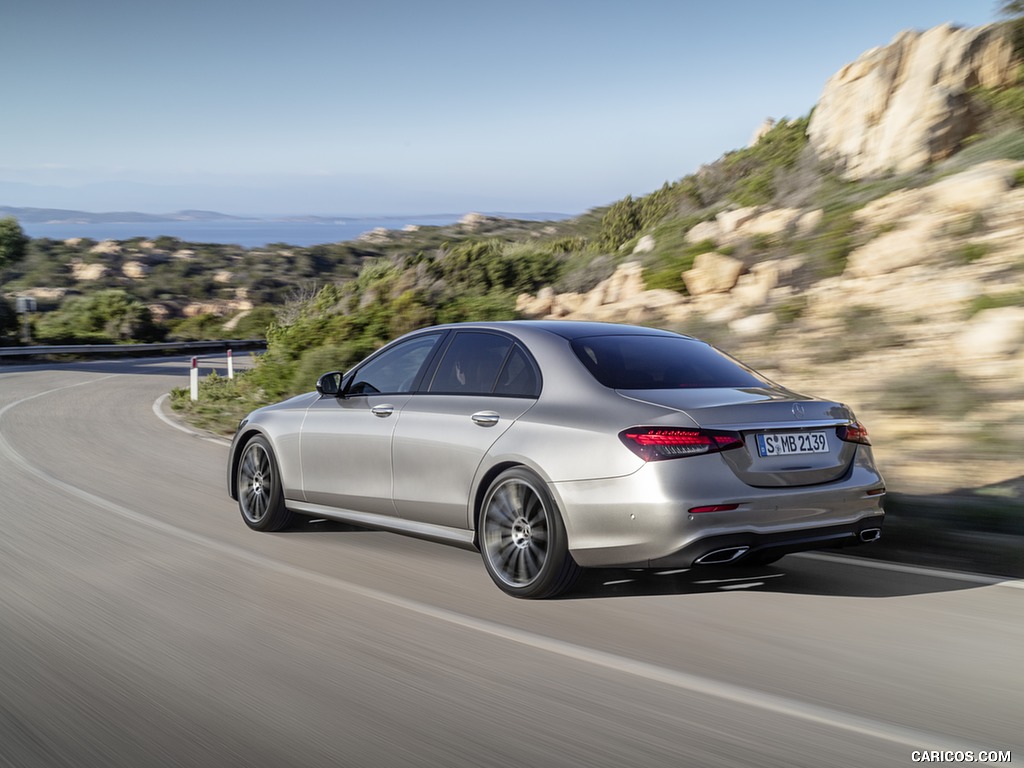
column 471, row 364
column 394, row 371
column 518, row 377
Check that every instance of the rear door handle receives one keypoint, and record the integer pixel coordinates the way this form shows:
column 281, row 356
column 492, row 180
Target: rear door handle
column 485, row 418
column 382, row 410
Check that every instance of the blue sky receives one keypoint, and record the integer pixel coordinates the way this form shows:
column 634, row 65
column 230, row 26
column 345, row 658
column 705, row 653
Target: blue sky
column 338, row 107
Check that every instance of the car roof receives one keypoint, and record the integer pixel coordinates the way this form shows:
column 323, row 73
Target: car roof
column 568, row 329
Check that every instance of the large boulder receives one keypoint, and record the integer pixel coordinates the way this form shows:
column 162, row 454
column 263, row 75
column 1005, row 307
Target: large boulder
column 993, row 334
column 730, row 221
column 712, row 273
column 977, row 188
column 645, row 244
column 705, row 230
column 905, row 105
column 106, row 248
column 778, row 221
column 916, row 241
column 135, row 270
column 88, row 273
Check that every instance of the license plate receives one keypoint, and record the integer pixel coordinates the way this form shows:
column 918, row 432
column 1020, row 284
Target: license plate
column 789, row 443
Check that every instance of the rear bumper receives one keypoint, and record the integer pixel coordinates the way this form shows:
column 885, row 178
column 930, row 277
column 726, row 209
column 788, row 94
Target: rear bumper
column 735, row 548
column 644, row 520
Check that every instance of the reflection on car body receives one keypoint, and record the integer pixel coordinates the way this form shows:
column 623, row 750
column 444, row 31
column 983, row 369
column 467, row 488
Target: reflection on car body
column 553, row 446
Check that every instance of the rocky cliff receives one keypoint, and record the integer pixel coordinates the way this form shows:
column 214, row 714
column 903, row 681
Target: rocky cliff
column 903, row 106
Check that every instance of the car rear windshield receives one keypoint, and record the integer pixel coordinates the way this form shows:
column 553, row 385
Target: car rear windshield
column 660, row 362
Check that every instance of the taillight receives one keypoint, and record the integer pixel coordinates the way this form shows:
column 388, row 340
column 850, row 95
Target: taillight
column 656, row 443
column 714, row 508
column 854, row 432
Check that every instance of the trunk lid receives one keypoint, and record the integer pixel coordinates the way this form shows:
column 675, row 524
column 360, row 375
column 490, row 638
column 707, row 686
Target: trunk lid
column 788, row 439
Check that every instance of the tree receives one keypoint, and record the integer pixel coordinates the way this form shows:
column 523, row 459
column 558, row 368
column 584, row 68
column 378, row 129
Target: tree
column 621, row 223
column 1011, row 8
column 13, row 241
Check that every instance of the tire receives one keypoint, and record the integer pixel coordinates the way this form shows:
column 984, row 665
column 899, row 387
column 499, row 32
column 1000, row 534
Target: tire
column 260, row 498
column 522, row 538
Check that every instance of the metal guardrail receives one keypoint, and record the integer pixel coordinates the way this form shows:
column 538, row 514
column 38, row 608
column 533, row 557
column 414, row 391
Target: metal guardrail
column 114, row 350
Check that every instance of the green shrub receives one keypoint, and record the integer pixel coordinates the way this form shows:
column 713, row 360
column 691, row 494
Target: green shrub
column 222, row 403
column 582, row 271
column 791, row 310
column 763, row 242
column 968, row 253
column 9, row 322
column 831, row 244
column 967, row 225
column 666, row 269
column 621, row 223
column 196, row 328
column 318, row 361
column 254, row 325
column 1007, row 144
column 1005, row 106
column 753, row 170
column 937, row 391
column 107, row 316
column 864, row 330
column 997, row 301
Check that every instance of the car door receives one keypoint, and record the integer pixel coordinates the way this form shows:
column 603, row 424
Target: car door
column 345, row 442
column 482, row 383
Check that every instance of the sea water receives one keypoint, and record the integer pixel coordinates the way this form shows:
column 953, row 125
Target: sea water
column 248, row 233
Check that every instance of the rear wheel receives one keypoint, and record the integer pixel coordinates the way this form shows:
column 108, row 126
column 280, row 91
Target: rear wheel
column 522, row 538
column 260, row 498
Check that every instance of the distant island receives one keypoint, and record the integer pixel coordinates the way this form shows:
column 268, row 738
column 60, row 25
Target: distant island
column 66, row 216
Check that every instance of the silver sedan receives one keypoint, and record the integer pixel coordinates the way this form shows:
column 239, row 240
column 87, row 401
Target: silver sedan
column 555, row 446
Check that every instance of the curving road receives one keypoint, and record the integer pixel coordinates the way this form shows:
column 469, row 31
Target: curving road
column 142, row 624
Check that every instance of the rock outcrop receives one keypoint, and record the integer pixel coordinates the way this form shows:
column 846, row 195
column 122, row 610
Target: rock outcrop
column 926, row 321
column 905, row 105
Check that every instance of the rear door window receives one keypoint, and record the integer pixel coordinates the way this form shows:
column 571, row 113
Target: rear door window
column 479, row 363
column 471, row 364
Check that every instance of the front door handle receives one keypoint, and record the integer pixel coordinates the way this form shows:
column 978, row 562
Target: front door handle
column 485, row 418
column 382, row 410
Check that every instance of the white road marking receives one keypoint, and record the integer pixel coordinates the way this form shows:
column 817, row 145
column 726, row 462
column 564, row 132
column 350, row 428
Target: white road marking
column 916, row 570
column 735, row 694
column 159, row 411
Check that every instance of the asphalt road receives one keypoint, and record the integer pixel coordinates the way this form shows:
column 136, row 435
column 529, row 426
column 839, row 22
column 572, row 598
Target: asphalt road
column 142, row 624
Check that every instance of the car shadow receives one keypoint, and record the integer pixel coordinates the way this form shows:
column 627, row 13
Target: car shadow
column 800, row 574
column 838, row 577
column 303, row 524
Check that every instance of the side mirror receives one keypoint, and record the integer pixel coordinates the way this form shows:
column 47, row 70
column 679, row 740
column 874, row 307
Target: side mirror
column 329, row 384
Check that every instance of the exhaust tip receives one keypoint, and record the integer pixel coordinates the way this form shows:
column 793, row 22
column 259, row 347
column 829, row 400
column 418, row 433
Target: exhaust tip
column 870, row 534
column 721, row 556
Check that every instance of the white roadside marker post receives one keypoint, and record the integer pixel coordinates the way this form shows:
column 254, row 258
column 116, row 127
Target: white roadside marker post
column 194, row 378
column 231, row 366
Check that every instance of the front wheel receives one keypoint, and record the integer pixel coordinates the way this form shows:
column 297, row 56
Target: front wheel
column 260, row 498
column 522, row 538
